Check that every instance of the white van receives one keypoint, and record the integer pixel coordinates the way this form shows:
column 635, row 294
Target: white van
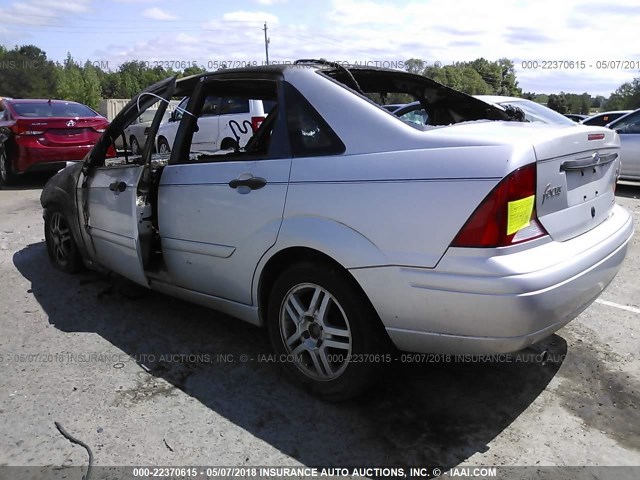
column 223, row 123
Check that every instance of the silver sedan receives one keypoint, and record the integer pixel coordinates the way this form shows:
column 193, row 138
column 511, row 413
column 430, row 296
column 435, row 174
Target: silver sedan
column 342, row 229
column 628, row 127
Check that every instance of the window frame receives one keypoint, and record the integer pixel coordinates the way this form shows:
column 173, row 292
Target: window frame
column 279, row 146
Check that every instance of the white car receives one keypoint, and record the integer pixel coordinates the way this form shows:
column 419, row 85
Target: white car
column 136, row 133
column 223, row 123
column 341, row 228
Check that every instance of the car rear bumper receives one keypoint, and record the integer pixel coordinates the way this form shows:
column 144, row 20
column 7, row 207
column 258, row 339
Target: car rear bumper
column 497, row 300
column 35, row 157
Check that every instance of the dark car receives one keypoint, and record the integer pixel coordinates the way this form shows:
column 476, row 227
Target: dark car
column 601, row 119
column 38, row 135
column 576, row 117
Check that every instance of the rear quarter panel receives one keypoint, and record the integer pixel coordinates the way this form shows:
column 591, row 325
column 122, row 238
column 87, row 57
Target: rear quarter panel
column 406, row 205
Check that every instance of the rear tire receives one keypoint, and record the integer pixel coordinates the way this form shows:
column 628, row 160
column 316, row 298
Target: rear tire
column 7, row 177
column 61, row 246
column 228, row 143
column 323, row 331
column 163, row 146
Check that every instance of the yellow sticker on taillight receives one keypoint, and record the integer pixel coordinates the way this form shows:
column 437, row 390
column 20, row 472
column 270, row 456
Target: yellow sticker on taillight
column 519, row 214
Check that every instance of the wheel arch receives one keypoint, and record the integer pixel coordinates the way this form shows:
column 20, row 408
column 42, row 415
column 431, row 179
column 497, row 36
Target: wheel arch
column 226, row 141
column 306, row 237
column 60, row 192
column 293, row 255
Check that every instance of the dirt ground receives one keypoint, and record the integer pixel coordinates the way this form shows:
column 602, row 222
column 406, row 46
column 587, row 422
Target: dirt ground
column 156, row 381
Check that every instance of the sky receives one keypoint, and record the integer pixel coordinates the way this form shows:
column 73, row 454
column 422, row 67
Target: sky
column 541, row 37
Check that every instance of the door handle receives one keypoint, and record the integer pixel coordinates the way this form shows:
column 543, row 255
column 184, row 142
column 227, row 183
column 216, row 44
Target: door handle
column 117, row 186
column 254, row 183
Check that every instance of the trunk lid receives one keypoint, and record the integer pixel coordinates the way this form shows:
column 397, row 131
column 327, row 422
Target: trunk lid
column 576, row 167
column 577, row 172
column 63, row 132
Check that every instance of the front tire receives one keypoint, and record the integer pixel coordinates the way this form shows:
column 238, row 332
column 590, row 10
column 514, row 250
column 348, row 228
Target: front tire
column 324, row 331
column 7, row 177
column 135, row 146
column 61, row 246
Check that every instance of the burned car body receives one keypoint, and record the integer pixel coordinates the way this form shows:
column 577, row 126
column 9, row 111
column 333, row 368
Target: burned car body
column 340, row 227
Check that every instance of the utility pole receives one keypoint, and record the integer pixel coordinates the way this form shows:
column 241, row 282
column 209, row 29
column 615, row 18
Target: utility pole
column 266, row 42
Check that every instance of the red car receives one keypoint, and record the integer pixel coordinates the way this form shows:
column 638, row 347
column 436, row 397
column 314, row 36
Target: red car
column 37, row 135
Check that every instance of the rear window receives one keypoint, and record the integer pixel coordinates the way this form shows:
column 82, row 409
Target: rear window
column 234, row 105
column 46, row 109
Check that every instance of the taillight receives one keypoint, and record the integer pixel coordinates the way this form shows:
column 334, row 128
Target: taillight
column 25, row 129
column 101, row 128
column 256, row 122
column 507, row 215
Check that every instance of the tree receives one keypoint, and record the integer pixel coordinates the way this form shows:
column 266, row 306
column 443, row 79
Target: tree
column 626, row 97
column 193, row 70
column 26, row 73
column 557, row 102
column 78, row 83
column 508, row 82
column 91, row 85
column 415, row 65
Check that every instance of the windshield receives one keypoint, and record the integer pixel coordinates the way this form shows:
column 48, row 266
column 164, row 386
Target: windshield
column 534, row 112
column 54, row 109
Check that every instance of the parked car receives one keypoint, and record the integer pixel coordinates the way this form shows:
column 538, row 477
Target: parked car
column 223, row 123
column 415, row 114
column 628, row 127
column 38, row 135
column 341, row 228
column 601, row 119
column 576, row 117
column 136, row 133
column 534, row 112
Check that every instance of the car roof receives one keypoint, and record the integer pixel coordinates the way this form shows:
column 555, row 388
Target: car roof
column 623, row 117
column 38, row 100
column 610, row 112
column 498, row 98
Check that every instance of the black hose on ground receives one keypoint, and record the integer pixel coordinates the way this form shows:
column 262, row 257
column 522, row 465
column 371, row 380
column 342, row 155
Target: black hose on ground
column 72, row 439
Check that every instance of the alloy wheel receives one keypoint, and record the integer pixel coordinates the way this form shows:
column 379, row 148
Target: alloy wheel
column 4, row 174
column 315, row 331
column 60, row 235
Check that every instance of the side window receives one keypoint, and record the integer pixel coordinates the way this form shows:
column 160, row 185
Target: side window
column 130, row 139
column 211, row 106
column 309, row 134
column 248, row 135
column 178, row 113
column 234, row 105
column 630, row 124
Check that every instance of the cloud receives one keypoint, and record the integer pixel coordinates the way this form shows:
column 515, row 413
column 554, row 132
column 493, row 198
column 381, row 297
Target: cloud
column 249, row 17
column 156, row 13
column 526, row 35
column 270, row 2
column 41, row 12
column 379, row 30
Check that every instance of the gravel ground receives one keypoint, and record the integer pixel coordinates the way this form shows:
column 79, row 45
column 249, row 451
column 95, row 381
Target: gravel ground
column 150, row 380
